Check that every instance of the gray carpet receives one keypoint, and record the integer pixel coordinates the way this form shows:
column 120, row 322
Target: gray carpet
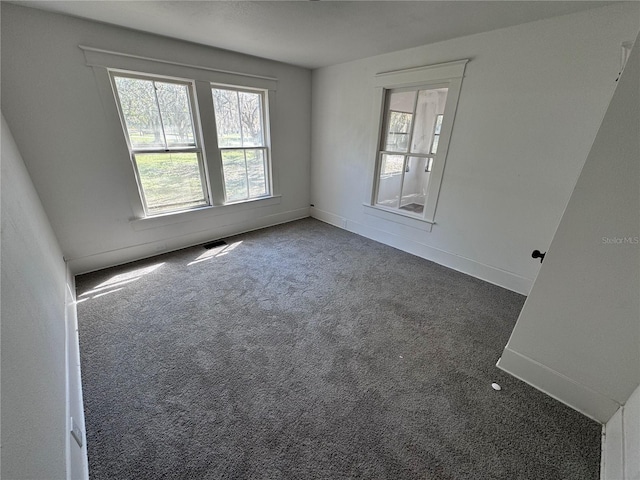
column 307, row 352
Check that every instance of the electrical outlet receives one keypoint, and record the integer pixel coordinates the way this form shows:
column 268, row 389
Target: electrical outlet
column 76, row 433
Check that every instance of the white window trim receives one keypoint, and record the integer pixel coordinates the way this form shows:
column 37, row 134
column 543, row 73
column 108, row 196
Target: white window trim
column 97, row 57
column 183, row 216
column 102, row 61
column 440, row 75
column 393, row 216
column 266, row 133
column 197, row 131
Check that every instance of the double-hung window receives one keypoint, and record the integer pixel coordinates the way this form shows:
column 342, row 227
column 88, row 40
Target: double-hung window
column 162, row 134
column 416, row 118
column 168, row 122
column 413, row 119
column 242, row 142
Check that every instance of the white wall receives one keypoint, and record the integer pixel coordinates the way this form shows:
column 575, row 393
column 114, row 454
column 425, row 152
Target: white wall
column 35, row 439
column 621, row 447
column 531, row 102
column 578, row 335
column 77, row 156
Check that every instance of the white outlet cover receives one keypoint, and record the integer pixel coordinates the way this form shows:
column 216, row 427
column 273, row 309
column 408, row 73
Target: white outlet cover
column 76, row 433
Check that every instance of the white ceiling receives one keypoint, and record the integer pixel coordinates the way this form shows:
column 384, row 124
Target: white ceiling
column 314, row 33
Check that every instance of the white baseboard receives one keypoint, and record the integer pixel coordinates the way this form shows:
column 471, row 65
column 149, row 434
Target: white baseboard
column 577, row 396
column 327, row 217
column 612, row 460
column 496, row 276
column 76, row 457
column 621, row 442
column 120, row 256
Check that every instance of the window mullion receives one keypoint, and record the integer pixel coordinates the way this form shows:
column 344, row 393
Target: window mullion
column 143, row 196
column 413, row 122
column 155, row 95
column 408, row 152
column 420, row 155
column 404, row 169
column 167, row 150
column 212, row 155
column 240, row 121
column 246, row 172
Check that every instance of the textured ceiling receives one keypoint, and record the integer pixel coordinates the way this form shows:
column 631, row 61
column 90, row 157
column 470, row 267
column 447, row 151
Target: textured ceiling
column 314, row 34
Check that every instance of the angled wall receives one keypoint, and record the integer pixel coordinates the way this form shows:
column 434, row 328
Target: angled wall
column 578, row 335
column 35, row 434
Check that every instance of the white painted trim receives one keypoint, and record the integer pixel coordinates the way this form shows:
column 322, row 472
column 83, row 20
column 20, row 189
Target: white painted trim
column 69, row 299
column 441, row 75
column 621, row 442
column 509, row 280
column 377, row 122
column 98, row 57
column 232, row 226
column 440, row 160
column 72, row 350
column 612, row 459
column 603, row 454
column 157, row 221
column 398, row 217
column 328, row 217
column 584, row 399
column 419, row 75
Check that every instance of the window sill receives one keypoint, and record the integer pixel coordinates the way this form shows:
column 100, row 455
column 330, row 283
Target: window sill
column 398, row 217
column 165, row 219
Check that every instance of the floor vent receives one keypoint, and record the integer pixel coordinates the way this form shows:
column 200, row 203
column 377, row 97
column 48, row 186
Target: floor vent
column 216, row 244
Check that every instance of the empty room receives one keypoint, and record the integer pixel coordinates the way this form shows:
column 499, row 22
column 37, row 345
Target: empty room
column 320, row 240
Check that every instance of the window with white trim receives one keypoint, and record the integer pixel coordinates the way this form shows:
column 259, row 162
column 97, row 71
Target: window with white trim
column 410, row 143
column 241, row 140
column 164, row 133
column 416, row 118
column 162, row 136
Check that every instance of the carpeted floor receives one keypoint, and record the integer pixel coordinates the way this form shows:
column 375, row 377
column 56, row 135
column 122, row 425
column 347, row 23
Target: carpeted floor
column 306, row 352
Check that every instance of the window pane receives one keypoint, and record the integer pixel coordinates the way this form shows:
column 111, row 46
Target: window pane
column 415, row 185
column 391, row 164
column 399, row 117
column 235, row 175
column 140, row 111
column 176, row 113
column 251, row 119
column 171, row 181
column 429, row 109
column 225, row 106
column 256, row 173
column 390, row 180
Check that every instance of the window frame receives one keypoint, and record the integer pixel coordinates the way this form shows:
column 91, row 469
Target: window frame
column 446, row 75
column 265, row 147
column 198, row 148
column 101, row 61
column 408, row 154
